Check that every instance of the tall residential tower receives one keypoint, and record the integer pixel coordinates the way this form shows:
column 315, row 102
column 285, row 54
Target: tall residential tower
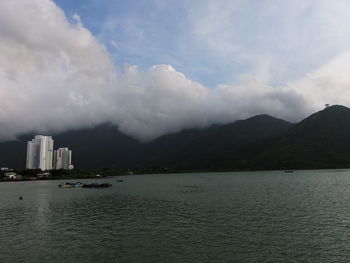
column 40, row 153
column 62, row 159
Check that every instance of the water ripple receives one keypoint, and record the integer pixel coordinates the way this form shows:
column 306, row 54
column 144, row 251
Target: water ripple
column 226, row 217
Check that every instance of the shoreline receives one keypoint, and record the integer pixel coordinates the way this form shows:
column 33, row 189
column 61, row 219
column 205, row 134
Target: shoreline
column 93, row 176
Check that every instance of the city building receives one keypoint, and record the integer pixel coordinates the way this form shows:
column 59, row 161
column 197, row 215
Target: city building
column 62, row 159
column 40, row 153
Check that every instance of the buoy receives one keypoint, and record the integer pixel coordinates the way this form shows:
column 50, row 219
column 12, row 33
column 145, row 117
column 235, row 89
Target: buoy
column 20, row 198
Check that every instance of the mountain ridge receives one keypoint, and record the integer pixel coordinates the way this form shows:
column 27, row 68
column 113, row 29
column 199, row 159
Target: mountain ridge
column 322, row 140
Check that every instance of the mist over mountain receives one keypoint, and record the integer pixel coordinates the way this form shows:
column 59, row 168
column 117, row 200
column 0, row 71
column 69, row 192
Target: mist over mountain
column 321, row 140
column 57, row 75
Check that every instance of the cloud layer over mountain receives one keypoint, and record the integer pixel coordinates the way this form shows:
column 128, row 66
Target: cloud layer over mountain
column 55, row 76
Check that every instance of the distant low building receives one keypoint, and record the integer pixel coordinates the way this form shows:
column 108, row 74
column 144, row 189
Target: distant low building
column 43, row 174
column 18, row 177
column 12, row 176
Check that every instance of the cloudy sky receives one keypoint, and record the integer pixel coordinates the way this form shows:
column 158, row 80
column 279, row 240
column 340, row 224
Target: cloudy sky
column 154, row 67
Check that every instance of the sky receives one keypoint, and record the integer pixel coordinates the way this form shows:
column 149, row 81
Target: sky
column 154, row 67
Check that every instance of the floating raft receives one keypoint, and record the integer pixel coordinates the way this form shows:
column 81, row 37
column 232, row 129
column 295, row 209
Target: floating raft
column 78, row 184
column 96, row 185
column 70, row 185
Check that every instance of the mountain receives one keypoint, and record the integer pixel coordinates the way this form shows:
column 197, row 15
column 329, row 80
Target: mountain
column 102, row 146
column 223, row 147
column 105, row 146
column 322, row 140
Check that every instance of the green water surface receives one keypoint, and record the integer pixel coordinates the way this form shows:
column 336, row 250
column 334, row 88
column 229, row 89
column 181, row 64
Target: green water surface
column 206, row 217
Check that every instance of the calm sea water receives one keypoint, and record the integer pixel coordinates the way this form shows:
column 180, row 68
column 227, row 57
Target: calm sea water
column 207, row 217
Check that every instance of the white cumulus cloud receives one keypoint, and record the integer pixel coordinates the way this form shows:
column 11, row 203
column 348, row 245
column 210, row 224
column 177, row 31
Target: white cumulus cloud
column 56, row 76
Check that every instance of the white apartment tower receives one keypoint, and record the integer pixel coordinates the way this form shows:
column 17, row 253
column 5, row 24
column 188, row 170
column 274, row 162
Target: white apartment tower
column 40, row 153
column 62, row 159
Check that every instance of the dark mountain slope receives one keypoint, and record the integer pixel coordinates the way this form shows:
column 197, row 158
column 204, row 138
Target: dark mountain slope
column 102, row 146
column 105, row 146
column 320, row 141
column 226, row 146
column 13, row 154
column 262, row 142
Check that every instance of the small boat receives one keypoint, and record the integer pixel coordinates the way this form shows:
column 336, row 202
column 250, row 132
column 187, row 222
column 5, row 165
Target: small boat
column 289, row 171
column 120, row 180
column 70, row 185
column 96, row 185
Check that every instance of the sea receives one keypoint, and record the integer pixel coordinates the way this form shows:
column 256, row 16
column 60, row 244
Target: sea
column 271, row 216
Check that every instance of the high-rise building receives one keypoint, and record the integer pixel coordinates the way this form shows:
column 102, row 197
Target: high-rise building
column 62, row 159
column 40, row 153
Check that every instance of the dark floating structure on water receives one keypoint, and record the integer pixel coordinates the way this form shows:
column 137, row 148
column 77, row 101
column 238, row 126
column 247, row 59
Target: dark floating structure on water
column 79, row 184
column 70, row 185
column 96, row 185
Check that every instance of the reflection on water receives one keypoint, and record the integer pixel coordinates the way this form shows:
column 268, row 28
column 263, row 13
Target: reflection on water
column 184, row 188
column 223, row 217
